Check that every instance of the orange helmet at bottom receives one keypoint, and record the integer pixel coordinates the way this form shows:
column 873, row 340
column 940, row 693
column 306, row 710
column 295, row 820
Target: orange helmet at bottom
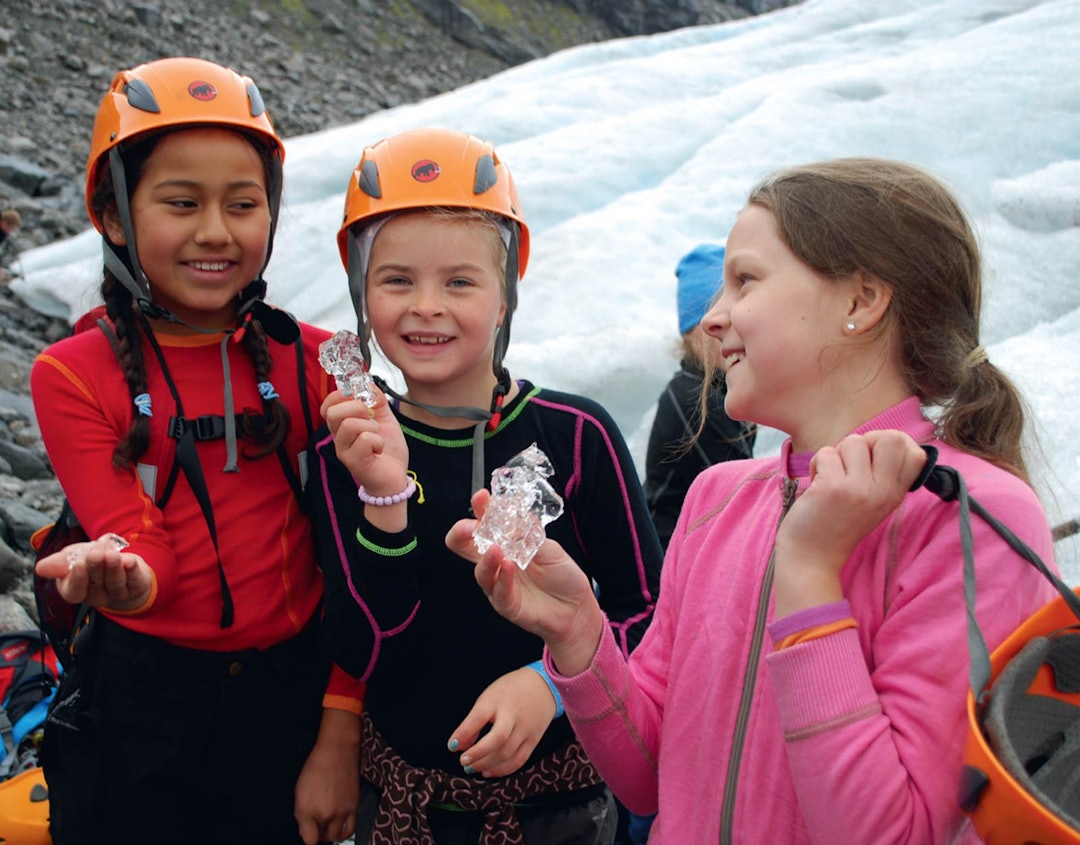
column 1022, row 756
column 24, row 809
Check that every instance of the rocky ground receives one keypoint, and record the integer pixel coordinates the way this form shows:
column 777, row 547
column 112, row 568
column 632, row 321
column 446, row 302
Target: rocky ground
column 29, row 493
column 319, row 63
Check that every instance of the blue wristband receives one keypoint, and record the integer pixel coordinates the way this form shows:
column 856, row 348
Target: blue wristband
column 539, row 667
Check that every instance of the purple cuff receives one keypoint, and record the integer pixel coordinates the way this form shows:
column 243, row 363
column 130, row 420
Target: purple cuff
column 810, row 617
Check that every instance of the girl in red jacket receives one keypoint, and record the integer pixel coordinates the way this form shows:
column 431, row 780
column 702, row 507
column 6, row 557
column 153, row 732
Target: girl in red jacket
column 198, row 686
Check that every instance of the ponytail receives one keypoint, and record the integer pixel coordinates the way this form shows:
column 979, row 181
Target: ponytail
column 985, row 415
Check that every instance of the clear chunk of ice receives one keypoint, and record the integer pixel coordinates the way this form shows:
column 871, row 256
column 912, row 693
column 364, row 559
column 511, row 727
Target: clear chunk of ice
column 341, row 357
column 522, row 503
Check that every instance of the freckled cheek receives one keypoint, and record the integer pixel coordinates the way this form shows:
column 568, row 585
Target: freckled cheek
column 741, row 314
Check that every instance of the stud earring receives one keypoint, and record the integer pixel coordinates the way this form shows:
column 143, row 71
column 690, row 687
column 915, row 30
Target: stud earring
column 850, row 326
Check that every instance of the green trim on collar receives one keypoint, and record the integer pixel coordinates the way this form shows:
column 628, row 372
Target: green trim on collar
column 458, row 443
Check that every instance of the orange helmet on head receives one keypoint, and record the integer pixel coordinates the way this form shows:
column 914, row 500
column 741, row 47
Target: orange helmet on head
column 174, row 93
column 431, row 168
column 170, row 94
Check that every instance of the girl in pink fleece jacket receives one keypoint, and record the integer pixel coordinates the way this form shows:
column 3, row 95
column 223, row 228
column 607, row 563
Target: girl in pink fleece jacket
column 804, row 677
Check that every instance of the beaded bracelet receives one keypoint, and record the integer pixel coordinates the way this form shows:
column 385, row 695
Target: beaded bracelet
column 380, row 501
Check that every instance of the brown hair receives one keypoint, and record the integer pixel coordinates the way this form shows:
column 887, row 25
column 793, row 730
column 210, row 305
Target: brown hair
column 894, row 221
column 130, row 324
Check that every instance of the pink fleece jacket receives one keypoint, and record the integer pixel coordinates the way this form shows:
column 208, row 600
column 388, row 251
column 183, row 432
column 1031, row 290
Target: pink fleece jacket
column 855, row 737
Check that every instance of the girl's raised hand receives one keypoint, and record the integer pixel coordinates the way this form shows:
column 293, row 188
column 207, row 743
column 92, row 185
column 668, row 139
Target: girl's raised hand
column 368, row 441
column 552, row 597
column 98, row 574
column 853, row 487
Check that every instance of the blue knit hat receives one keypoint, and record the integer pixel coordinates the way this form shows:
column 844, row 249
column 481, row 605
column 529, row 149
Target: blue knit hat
column 701, row 276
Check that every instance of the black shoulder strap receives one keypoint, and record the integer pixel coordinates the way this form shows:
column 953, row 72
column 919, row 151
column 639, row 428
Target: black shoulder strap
column 187, row 459
column 947, row 483
column 282, row 452
column 187, row 456
column 301, row 379
column 114, row 342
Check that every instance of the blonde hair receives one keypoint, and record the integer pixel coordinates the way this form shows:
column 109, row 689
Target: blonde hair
column 495, row 223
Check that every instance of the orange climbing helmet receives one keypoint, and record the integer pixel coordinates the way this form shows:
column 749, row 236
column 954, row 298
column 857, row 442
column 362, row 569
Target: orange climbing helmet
column 1022, row 757
column 429, row 168
column 436, row 168
column 1021, row 765
column 174, row 92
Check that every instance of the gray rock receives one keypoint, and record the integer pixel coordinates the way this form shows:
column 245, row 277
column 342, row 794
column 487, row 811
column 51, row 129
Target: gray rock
column 14, row 616
column 13, row 568
column 22, row 174
column 22, row 520
column 24, row 463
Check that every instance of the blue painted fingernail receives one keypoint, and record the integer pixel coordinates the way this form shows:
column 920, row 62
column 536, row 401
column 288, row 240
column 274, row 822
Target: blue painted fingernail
column 453, row 745
column 469, row 770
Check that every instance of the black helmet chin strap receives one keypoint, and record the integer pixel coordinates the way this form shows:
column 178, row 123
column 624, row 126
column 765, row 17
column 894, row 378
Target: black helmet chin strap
column 485, row 420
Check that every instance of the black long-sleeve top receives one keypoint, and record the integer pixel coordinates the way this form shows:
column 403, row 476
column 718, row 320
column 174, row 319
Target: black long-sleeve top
column 676, row 453
column 405, row 614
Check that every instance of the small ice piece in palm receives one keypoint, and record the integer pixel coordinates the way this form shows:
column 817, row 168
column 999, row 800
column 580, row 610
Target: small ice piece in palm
column 522, row 503
column 78, row 557
column 341, row 357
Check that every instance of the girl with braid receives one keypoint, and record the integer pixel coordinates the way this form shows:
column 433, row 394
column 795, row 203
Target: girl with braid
column 174, row 422
column 805, row 676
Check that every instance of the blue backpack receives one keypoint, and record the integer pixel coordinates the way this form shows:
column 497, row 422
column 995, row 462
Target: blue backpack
column 29, row 675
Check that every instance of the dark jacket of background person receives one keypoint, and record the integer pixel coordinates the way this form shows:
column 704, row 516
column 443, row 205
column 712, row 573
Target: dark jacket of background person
column 674, row 457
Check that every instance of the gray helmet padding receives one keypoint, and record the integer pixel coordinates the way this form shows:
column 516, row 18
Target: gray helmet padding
column 1037, row 737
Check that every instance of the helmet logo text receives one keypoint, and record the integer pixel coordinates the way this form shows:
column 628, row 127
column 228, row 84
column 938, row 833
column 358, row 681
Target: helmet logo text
column 425, row 170
column 203, row 91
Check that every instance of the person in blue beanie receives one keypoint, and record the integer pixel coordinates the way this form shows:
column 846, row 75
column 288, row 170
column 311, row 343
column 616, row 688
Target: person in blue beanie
column 680, row 444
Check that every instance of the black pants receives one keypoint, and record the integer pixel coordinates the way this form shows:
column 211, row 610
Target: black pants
column 150, row 742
